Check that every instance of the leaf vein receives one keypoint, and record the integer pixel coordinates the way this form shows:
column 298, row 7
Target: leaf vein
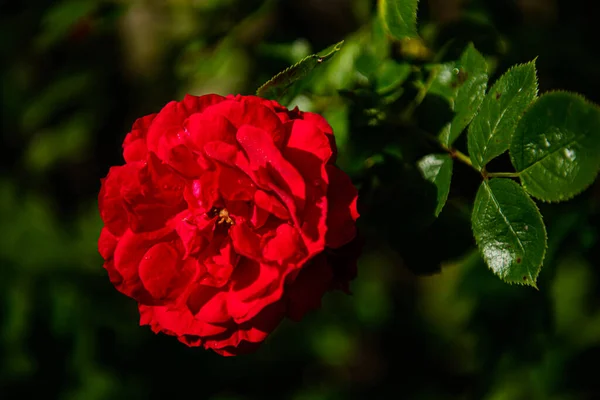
column 497, row 204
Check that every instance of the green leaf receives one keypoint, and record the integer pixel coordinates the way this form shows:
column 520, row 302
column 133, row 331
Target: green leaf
column 437, row 168
column 556, row 146
column 469, row 84
column 444, row 84
column 278, row 86
column 492, row 128
column 399, row 17
column 509, row 231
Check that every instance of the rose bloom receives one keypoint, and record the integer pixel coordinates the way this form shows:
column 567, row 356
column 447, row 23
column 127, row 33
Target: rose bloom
column 227, row 216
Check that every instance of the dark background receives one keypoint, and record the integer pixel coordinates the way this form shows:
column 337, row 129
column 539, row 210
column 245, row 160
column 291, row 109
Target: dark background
column 74, row 75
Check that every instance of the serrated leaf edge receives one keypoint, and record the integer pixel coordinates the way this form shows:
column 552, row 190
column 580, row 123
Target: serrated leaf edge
column 380, row 8
column 571, row 195
column 531, row 282
column 490, row 93
column 449, row 142
column 320, row 59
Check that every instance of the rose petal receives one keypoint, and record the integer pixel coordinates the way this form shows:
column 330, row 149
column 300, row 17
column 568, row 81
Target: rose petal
column 177, row 322
column 254, row 286
column 271, row 204
column 208, row 127
column 127, row 257
column 162, row 271
column 286, row 245
column 209, row 304
column 167, row 128
column 111, row 204
column 134, row 145
column 246, row 337
column 253, row 114
column 107, row 243
column 196, row 104
column 157, row 197
column 203, row 193
column 259, row 216
column 181, row 159
column 305, row 141
column 262, row 152
column 220, row 266
column 235, row 185
column 245, row 241
column 195, row 231
column 135, row 151
column 324, row 126
column 113, row 275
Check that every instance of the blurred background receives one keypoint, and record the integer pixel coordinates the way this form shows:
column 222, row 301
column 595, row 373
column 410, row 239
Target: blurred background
column 427, row 319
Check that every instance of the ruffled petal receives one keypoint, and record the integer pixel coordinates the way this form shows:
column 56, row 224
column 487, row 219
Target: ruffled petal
column 163, row 272
column 134, row 145
column 178, row 322
column 128, row 254
column 241, row 113
column 285, row 246
column 254, row 286
column 263, row 154
column 324, row 126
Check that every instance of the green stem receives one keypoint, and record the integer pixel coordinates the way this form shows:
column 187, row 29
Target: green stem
column 456, row 154
column 460, row 156
column 502, row 174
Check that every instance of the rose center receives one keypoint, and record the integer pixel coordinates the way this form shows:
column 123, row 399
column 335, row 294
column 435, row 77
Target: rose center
column 223, row 215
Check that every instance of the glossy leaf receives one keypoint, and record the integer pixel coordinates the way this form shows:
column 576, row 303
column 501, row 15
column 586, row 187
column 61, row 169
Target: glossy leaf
column 399, row 17
column 437, row 168
column 278, row 86
column 469, row 87
column 492, row 128
column 509, row 231
column 556, row 146
column 444, row 84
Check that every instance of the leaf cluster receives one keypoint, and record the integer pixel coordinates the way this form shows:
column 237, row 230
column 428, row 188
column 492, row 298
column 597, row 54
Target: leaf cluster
column 552, row 139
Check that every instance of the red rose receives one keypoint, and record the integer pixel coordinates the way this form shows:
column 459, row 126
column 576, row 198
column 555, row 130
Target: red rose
column 222, row 220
